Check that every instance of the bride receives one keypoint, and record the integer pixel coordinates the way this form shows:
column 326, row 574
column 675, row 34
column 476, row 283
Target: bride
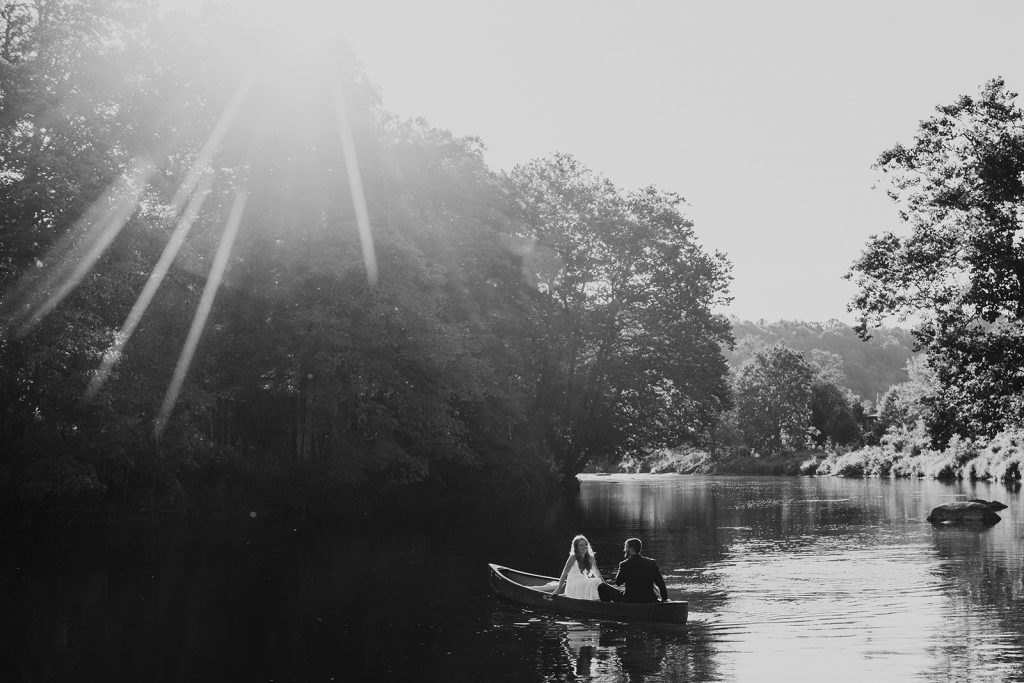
column 580, row 576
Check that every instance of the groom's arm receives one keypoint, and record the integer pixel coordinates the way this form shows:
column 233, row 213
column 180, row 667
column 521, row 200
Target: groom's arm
column 660, row 581
column 620, row 577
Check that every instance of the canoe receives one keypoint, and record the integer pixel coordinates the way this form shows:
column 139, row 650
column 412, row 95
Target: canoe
column 537, row 591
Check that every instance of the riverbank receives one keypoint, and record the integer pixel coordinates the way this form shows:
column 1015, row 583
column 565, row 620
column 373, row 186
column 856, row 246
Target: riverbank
column 251, row 485
column 694, row 461
column 903, row 454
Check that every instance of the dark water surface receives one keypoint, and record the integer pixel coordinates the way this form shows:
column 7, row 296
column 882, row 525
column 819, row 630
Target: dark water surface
column 788, row 579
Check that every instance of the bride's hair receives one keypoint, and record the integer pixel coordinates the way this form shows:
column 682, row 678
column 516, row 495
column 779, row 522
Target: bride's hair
column 587, row 560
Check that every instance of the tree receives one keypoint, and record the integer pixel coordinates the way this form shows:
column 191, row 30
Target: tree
column 833, row 415
column 836, row 412
column 394, row 380
column 773, row 400
column 631, row 349
column 827, row 367
column 72, row 129
column 960, row 270
column 906, row 404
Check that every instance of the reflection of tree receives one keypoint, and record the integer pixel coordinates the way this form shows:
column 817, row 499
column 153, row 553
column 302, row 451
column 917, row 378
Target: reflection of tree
column 678, row 524
column 984, row 582
column 985, row 586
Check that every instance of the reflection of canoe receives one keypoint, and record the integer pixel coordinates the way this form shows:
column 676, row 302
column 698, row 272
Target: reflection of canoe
column 536, row 590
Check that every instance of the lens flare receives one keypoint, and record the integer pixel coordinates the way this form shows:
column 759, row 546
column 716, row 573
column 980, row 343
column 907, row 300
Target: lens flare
column 305, row 70
column 213, row 281
column 355, row 183
column 156, row 277
column 213, row 140
column 82, row 248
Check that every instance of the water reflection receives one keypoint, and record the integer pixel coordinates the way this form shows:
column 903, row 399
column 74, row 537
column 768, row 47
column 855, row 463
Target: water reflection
column 843, row 574
column 590, row 650
column 804, row 578
column 984, row 583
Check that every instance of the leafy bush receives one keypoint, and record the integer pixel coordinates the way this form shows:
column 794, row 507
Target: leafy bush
column 810, row 466
column 906, row 453
column 1001, row 459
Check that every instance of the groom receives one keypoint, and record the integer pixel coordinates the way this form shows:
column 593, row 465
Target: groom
column 639, row 573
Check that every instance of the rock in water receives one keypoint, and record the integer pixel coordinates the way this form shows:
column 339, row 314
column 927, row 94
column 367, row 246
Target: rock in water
column 966, row 511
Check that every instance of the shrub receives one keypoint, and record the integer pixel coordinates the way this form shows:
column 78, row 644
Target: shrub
column 851, row 464
column 810, row 466
column 962, row 450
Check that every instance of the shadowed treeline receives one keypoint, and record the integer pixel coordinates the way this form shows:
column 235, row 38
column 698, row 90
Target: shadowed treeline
column 230, row 275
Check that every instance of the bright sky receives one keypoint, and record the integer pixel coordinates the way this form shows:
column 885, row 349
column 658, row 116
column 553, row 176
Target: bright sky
column 765, row 115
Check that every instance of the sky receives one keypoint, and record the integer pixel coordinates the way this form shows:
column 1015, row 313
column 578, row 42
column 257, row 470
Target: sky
column 765, row 116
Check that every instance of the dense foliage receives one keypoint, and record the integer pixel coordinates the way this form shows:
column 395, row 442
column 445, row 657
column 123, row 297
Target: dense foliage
column 487, row 333
column 773, row 400
column 631, row 351
column 959, row 268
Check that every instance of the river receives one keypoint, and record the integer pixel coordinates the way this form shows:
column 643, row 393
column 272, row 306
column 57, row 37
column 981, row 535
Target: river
column 788, row 579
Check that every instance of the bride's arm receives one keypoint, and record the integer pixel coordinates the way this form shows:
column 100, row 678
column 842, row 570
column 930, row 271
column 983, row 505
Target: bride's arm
column 565, row 573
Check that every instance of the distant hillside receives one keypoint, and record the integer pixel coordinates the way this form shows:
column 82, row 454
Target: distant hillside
column 871, row 367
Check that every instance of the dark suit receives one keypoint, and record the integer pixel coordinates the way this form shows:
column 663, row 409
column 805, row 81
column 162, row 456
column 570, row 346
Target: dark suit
column 640, row 574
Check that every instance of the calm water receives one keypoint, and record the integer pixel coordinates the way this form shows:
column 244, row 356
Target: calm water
column 795, row 578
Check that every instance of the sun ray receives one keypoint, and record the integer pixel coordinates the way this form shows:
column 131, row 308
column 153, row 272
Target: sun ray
column 213, row 281
column 86, row 241
column 91, row 235
column 355, row 183
column 156, row 278
column 213, row 140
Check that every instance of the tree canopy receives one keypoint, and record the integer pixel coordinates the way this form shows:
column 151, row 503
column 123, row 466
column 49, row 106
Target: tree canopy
column 629, row 329
column 773, row 400
column 959, row 268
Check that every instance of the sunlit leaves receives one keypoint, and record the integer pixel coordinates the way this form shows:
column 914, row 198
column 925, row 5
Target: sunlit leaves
column 960, row 268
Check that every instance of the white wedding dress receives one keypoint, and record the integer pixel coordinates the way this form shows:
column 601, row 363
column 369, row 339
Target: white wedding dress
column 581, row 585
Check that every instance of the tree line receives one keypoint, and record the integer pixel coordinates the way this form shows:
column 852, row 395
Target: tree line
column 230, row 275
column 222, row 283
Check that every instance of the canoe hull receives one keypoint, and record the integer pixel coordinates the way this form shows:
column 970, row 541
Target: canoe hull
column 534, row 590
